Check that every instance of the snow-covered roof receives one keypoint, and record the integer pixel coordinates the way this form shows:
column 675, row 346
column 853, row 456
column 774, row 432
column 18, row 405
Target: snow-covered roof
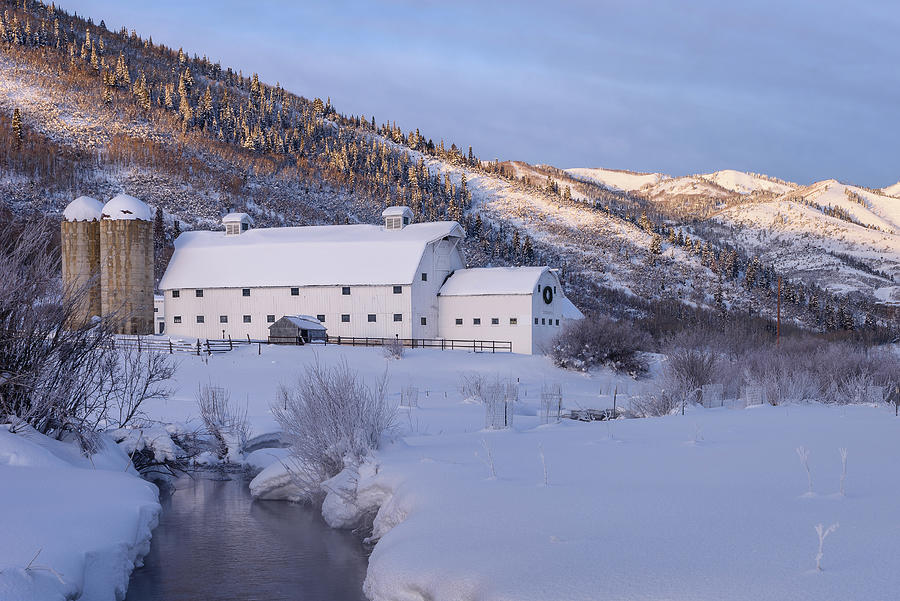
column 481, row 281
column 319, row 255
column 237, row 218
column 304, row 322
column 397, row 212
column 570, row 311
column 83, row 208
column 127, row 207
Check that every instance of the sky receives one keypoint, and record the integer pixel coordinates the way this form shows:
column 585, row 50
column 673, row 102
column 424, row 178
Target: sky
column 801, row 90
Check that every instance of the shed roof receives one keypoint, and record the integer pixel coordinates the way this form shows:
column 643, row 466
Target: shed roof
column 235, row 217
column 303, row 322
column 320, row 255
column 481, row 281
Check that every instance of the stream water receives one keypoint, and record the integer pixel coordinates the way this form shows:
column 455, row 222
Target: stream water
column 214, row 543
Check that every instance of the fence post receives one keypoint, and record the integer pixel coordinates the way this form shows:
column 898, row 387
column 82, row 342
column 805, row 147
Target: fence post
column 248, row 339
column 259, row 348
column 198, row 347
column 170, row 346
column 139, row 344
column 230, row 344
column 208, row 348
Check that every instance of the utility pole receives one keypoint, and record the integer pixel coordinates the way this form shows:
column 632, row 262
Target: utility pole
column 778, row 323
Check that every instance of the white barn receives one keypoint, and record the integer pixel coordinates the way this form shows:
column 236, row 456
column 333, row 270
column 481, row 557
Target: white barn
column 401, row 279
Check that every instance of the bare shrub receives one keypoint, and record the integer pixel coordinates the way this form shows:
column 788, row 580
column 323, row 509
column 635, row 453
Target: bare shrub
column 691, row 369
column 393, row 349
column 55, row 375
column 225, row 422
column 332, row 421
column 590, row 343
column 472, row 385
column 655, row 404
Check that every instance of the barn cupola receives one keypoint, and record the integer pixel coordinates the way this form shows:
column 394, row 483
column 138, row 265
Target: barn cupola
column 397, row 218
column 236, row 223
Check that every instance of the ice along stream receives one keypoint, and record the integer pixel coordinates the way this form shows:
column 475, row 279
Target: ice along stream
column 215, row 543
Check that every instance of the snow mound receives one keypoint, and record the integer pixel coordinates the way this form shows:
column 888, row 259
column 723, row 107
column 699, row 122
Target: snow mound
column 83, row 208
column 626, row 181
column 746, row 183
column 75, row 527
column 125, row 207
column 892, row 190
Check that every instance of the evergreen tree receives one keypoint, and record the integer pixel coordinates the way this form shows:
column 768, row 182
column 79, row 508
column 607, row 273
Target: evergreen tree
column 528, row 250
column 18, row 133
column 656, row 245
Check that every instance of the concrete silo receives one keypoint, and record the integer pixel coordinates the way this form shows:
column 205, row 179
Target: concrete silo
column 126, row 265
column 80, row 240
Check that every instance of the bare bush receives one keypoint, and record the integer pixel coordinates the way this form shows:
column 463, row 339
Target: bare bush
column 472, row 385
column 393, row 349
column 55, row 375
column 590, row 343
column 656, row 404
column 332, row 421
column 225, row 422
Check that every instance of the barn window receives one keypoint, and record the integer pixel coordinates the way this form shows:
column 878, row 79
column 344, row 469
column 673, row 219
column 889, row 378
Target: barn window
column 513, row 321
column 245, row 292
column 535, row 321
column 176, row 319
column 321, row 317
column 198, row 293
column 176, row 293
column 495, row 321
column 539, row 287
column 371, row 318
column 223, row 319
column 423, row 321
column 246, row 319
column 200, row 319
column 345, row 290
column 424, row 277
column 398, row 289
column 476, row 321
column 398, row 316
column 543, row 321
column 270, row 319
column 295, row 292
column 345, row 318
column 554, row 290
column 156, row 309
column 557, row 322
column 459, row 321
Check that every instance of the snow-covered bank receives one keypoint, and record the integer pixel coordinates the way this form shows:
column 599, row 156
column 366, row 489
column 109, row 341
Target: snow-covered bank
column 71, row 527
column 712, row 505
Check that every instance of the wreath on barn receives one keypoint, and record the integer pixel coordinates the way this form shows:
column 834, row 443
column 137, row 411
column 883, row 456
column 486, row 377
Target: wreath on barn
column 548, row 294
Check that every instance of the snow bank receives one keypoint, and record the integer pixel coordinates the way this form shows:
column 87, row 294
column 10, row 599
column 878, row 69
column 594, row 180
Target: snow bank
column 73, row 527
column 707, row 506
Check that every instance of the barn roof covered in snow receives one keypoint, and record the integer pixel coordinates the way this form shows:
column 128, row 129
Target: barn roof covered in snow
column 303, row 322
column 83, row 208
column 318, row 255
column 492, row 280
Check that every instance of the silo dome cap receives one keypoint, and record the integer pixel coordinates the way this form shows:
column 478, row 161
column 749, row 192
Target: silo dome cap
column 83, row 208
column 123, row 207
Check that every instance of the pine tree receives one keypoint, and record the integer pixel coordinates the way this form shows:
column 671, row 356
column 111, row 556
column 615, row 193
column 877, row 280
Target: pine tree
column 159, row 241
column 528, row 250
column 656, row 245
column 18, row 133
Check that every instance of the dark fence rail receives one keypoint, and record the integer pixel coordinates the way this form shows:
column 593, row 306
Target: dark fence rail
column 223, row 345
column 479, row 346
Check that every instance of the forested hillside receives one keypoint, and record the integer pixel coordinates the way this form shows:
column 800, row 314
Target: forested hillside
column 85, row 110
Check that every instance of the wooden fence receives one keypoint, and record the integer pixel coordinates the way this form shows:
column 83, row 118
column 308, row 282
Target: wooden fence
column 478, row 346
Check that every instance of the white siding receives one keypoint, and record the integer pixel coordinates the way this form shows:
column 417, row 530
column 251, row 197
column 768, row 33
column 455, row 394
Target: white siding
column 527, row 337
column 488, row 307
column 438, row 261
column 278, row 301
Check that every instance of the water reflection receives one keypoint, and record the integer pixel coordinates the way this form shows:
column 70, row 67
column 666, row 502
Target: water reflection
column 214, row 543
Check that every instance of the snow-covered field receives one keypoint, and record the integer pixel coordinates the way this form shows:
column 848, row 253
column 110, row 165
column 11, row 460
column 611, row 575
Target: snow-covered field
column 70, row 527
column 711, row 505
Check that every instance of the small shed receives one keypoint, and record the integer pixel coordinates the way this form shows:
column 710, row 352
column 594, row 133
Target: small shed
column 296, row 329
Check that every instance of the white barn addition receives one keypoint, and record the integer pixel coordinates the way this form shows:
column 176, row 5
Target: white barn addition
column 401, row 279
